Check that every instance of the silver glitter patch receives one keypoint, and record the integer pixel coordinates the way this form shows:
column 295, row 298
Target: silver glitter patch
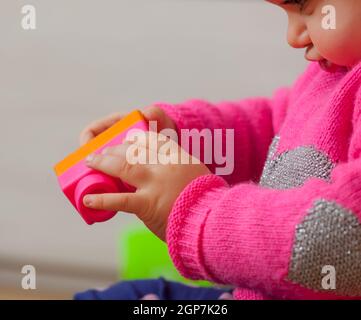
column 293, row 167
column 329, row 235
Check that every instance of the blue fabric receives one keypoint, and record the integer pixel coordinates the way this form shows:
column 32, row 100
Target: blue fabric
column 165, row 290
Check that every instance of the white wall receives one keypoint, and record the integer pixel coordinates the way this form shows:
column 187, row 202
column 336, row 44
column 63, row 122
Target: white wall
column 87, row 59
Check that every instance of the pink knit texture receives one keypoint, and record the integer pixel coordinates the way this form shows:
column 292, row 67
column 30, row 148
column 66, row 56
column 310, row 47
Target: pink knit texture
column 231, row 230
column 248, row 294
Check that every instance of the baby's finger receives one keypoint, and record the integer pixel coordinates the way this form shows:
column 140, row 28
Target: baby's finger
column 118, row 166
column 97, row 127
column 154, row 113
column 132, row 152
column 153, row 141
column 126, row 202
column 85, row 136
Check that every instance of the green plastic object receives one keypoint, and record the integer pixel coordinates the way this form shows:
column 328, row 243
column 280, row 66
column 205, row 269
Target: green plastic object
column 141, row 255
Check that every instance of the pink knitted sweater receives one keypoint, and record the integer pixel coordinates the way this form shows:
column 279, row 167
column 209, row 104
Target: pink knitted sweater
column 293, row 202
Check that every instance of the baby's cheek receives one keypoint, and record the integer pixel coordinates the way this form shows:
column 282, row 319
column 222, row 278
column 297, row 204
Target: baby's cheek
column 334, row 46
column 342, row 45
column 344, row 51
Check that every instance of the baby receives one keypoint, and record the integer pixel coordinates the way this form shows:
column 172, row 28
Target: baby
column 286, row 224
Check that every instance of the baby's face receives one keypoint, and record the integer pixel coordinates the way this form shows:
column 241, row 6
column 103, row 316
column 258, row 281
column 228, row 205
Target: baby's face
column 310, row 27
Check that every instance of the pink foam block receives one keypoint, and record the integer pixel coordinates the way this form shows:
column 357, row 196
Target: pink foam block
column 79, row 180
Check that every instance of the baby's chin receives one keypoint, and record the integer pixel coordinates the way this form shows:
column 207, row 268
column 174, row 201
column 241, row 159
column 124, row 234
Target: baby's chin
column 329, row 66
column 338, row 63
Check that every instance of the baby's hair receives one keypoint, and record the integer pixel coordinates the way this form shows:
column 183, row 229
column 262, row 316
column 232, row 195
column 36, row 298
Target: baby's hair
column 301, row 2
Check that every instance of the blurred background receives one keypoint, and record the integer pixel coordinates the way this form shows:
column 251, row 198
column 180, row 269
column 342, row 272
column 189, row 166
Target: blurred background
column 88, row 58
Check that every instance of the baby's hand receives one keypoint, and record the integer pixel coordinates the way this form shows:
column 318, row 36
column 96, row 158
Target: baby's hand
column 158, row 185
column 151, row 114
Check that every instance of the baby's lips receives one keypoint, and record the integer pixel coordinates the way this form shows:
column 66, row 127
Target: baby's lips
column 312, row 54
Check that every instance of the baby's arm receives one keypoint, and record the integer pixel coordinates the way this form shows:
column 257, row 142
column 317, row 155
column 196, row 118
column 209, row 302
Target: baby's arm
column 277, row 241
column 255, row 121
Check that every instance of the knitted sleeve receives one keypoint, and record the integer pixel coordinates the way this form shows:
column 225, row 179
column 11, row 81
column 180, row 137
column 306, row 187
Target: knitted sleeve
column 254, row 121
column 283, row 242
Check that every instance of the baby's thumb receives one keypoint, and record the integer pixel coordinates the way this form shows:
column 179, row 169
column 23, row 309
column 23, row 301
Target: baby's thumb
column 154, row 113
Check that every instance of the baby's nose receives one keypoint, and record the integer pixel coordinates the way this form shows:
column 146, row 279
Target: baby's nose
column 297, row 35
